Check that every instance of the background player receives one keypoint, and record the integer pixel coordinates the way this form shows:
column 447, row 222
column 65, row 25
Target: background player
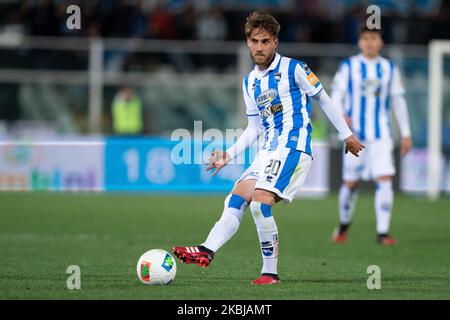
column 365, row 86
column 277, row 96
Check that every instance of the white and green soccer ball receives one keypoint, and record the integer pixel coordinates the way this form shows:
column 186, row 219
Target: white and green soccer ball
column 156, row 267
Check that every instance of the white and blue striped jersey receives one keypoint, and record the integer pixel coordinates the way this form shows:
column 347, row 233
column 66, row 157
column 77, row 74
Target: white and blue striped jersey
column 366, row 87
column 280, row 96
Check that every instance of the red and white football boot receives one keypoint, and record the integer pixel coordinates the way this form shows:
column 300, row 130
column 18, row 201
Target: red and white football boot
column 195, row 254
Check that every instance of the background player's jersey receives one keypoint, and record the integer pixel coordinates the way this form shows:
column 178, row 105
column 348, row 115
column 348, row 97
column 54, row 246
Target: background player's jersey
column 280, row 96
column 367, row 86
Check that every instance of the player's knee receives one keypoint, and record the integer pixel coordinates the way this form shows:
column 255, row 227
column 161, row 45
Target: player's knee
column 237, row 202
column 352, row 185
column 260, row 210
column 384, row 184
column 384, row 179
column 264, row 196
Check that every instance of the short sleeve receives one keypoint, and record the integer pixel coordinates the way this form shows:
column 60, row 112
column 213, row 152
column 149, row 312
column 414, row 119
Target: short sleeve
column 307, row 80
column 250, row 105
column 397, row 87
column 341, row 78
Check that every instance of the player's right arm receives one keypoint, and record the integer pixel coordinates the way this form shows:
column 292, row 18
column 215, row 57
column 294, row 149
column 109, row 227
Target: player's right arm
column 340, row 87
column 220, row 158
column 401, row 111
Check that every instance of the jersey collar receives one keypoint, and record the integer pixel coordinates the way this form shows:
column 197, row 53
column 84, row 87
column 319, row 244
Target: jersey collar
column 365, row 60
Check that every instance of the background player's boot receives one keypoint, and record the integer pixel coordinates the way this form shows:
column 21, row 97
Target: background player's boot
column 199, row 255
column 265, row 279
column 339, row 234
column 386, row 240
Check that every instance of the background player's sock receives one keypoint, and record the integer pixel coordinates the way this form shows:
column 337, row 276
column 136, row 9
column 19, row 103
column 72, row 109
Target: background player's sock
column 228, row 223
column 384, row 196
column 267, row 234
column 347, row 202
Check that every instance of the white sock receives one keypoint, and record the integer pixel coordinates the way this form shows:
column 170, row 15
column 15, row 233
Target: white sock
column 347, row 203
column 267, row 234
column 384, row 198
column 228, row 224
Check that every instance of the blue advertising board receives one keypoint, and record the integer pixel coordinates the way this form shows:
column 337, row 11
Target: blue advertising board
column 156, row 164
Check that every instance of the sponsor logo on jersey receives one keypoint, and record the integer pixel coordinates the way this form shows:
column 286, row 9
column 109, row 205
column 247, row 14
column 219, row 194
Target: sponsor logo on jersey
column 266, row 112
column 371, row 87
column 312, row 79
column 266, row 97
column 310, row 76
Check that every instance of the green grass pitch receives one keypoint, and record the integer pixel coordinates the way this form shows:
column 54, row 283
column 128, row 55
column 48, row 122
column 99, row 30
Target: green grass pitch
column 41, row 234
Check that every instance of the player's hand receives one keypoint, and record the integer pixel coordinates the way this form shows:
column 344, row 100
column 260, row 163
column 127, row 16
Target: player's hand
column 218, row 160
column 353, row 145
column 405, row 145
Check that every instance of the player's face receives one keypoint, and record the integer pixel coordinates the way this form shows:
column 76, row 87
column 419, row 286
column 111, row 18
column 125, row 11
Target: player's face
column 370, row 44
column 262, row 47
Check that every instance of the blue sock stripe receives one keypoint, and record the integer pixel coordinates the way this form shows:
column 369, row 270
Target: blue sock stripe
column 236, row 201
column 266, row 210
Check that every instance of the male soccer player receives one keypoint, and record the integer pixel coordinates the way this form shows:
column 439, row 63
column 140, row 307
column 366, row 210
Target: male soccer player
column 365, row 86
column 277, row 96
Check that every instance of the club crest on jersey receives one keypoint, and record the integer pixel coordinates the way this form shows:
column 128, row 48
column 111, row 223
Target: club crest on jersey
column 277, row 77
column 266, row 97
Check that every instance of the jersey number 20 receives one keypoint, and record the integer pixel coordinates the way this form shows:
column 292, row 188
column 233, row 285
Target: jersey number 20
column 273, row 167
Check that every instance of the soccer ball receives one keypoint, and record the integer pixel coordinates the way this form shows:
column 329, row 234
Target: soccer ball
column 156, row 267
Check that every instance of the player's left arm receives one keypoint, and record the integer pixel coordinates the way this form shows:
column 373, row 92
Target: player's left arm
column 401, row 111
column 309, row 82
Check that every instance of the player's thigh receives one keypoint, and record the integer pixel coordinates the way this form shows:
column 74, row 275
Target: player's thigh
column 245, row 189
column 381, row 160
column 283, row 172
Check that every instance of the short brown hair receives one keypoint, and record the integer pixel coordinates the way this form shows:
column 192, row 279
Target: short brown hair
column 257, row 20
column 364, row 28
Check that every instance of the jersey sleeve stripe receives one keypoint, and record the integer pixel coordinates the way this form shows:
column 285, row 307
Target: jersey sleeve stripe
column 362, row 116
column 377, row 103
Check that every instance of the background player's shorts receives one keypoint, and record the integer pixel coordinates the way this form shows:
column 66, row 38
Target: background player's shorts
column 374, row 161
column 281, row 171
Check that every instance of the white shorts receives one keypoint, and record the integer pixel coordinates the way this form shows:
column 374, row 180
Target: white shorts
column 281, row 171
column 374, row 161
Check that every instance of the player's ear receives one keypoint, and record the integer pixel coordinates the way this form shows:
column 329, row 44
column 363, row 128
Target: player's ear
column 276, row 42
column 249, row 41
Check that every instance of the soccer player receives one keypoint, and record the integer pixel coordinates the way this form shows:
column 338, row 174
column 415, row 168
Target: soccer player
column 365, row 86
column 277, row 94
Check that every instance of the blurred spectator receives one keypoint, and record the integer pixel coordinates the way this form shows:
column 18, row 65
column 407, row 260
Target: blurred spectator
column 305, row 20
column 137, row 21
column 211, row 25
column 186, row 22
column 160, row 23
column 127, row 113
